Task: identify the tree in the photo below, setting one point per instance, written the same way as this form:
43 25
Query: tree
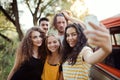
38 7
12 14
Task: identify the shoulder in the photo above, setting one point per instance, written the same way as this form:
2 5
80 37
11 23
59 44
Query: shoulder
86 49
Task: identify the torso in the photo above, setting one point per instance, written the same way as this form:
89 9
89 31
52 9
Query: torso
51 70
30 70
78 71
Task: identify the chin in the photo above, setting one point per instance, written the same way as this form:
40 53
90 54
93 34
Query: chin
72 45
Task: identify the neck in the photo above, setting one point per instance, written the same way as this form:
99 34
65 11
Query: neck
35 52
55 54
60 33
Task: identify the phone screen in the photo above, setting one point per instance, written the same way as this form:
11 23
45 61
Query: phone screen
93 19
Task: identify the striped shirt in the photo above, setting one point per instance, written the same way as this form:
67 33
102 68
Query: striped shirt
78 71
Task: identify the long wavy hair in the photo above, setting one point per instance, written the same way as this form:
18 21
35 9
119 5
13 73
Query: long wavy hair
70 53
46 42
25 49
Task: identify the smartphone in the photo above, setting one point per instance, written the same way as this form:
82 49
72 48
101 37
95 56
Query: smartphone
93 19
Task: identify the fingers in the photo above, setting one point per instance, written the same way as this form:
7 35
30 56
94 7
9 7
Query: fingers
99 27
99 37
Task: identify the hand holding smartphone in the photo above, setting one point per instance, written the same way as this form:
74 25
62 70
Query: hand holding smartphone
94 20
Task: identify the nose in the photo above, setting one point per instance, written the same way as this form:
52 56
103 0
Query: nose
45 27
61 24
39 39
70 37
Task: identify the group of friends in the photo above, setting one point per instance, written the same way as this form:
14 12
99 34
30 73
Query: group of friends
65 56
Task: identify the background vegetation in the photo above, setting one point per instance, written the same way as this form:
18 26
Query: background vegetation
11 29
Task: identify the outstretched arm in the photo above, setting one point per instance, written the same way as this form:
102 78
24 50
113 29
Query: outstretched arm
100 37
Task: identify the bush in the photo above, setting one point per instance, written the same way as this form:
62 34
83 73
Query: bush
6 58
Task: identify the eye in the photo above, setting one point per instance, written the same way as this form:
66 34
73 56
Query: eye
46 24
43 24
74 34
34 37
67 35
49 43
54 41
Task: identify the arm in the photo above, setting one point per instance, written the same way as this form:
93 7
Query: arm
61 76
101 38
11 73
69 17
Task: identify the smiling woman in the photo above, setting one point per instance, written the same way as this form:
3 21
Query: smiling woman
52 68
78 56
30 57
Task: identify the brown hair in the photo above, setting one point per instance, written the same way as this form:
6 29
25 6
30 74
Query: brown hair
25 49
55 19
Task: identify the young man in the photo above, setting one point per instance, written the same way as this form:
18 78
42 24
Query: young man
60 22
44 24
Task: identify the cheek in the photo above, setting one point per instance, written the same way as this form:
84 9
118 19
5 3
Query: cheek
76 39
58 45
48 46
67 39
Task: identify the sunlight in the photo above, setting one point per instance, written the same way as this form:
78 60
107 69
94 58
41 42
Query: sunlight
101 8
78 8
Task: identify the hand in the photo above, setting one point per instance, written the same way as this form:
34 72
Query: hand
100 37
67 14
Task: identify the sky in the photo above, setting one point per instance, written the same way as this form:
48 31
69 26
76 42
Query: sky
101 8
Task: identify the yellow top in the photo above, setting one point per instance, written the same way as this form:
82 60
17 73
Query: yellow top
50 72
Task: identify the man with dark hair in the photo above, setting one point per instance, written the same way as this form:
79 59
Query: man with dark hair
44 24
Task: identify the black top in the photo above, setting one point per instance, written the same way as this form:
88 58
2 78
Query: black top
30 70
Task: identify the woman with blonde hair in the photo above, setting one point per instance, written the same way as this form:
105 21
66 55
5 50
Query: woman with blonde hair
52 67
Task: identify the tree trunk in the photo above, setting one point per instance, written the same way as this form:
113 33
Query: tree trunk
15 11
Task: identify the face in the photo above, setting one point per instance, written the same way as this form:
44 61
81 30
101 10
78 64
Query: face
72 36
61 24
44 26
53 44
36 39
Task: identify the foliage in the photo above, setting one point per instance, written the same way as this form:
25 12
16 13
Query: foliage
10 10
10 26
6 57
5 25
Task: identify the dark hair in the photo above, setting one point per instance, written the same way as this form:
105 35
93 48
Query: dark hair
70 53
43 19
55 19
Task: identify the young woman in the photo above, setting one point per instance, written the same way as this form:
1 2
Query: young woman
77 56
30 57
52 67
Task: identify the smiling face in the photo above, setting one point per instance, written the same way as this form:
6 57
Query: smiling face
72 36
36 38
53 44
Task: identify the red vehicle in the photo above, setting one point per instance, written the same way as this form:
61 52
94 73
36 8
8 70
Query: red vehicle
109 69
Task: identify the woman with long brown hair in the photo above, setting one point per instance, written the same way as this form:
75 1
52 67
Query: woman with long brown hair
30 57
